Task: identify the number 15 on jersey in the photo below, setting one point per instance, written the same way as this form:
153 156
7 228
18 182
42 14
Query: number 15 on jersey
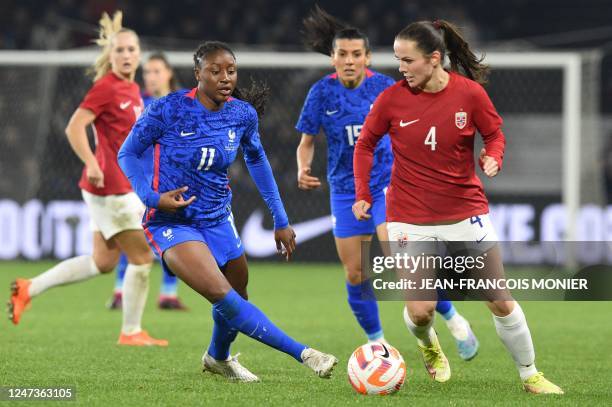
352 132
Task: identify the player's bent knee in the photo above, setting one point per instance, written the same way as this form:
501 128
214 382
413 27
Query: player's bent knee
501 308
105 266
421 314
353 275
215 294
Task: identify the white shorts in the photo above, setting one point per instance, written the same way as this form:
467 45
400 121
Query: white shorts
475 229
112 214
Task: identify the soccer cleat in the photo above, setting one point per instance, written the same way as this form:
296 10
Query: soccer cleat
20 299
170 303
141 338
231 369
538 384
321 363
115 302
468 348
435 361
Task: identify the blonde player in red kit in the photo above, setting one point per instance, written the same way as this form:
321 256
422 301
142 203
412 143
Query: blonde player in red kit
435 195
112 105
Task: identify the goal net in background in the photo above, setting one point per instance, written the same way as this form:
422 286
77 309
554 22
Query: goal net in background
550 187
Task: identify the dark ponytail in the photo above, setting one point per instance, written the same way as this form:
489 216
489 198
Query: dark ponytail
446 38
257 94
321 30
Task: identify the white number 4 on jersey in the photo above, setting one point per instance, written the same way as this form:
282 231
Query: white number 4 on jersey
430 139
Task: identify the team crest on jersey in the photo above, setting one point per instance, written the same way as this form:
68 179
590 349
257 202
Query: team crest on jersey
231 136
460 120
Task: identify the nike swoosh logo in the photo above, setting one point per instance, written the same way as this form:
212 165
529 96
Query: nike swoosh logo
124 105
330 112
259 242
404 124
386 354
480 240
183 134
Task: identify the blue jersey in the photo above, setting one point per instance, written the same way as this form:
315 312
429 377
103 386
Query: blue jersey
194 147
341 112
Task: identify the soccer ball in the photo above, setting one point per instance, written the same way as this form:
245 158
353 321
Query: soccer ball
376 368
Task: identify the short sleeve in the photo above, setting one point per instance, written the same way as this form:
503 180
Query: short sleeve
98 97
377 121
486 118
310 117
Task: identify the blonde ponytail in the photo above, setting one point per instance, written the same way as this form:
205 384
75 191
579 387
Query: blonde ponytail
109 27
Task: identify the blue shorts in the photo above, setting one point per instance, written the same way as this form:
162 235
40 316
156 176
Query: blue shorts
344 222
222 240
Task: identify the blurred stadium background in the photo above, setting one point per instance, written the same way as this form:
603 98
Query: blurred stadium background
536 49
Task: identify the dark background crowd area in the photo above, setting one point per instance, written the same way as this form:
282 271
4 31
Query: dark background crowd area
273 24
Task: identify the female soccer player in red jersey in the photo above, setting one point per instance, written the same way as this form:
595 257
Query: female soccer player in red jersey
159 80
338 103
435 194
112 105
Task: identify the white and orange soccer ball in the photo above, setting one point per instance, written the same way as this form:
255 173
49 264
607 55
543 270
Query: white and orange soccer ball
376 368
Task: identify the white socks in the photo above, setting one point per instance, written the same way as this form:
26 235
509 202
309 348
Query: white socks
135 290
514 333
68 271
458 326
425 334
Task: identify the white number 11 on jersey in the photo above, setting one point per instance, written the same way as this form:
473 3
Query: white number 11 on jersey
206 153
430 139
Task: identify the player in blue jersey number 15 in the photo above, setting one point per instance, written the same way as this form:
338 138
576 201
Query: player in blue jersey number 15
339 104
195 136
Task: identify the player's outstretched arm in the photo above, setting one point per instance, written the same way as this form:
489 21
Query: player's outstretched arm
305 155
77 137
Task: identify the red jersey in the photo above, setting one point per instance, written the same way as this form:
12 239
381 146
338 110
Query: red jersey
116 104
432 136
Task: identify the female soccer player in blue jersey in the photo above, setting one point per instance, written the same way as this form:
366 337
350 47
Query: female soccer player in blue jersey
159 80
195 136
339 103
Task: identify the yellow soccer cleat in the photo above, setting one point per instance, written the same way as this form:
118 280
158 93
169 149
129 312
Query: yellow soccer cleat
435 361
538 384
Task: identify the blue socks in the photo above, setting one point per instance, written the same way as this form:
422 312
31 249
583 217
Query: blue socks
222 337
446 309
245 317
121 267
169 282
362 300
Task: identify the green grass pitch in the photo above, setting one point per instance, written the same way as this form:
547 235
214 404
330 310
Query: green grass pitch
68 338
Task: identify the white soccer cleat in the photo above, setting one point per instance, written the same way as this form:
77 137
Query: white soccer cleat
231 369
321 363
